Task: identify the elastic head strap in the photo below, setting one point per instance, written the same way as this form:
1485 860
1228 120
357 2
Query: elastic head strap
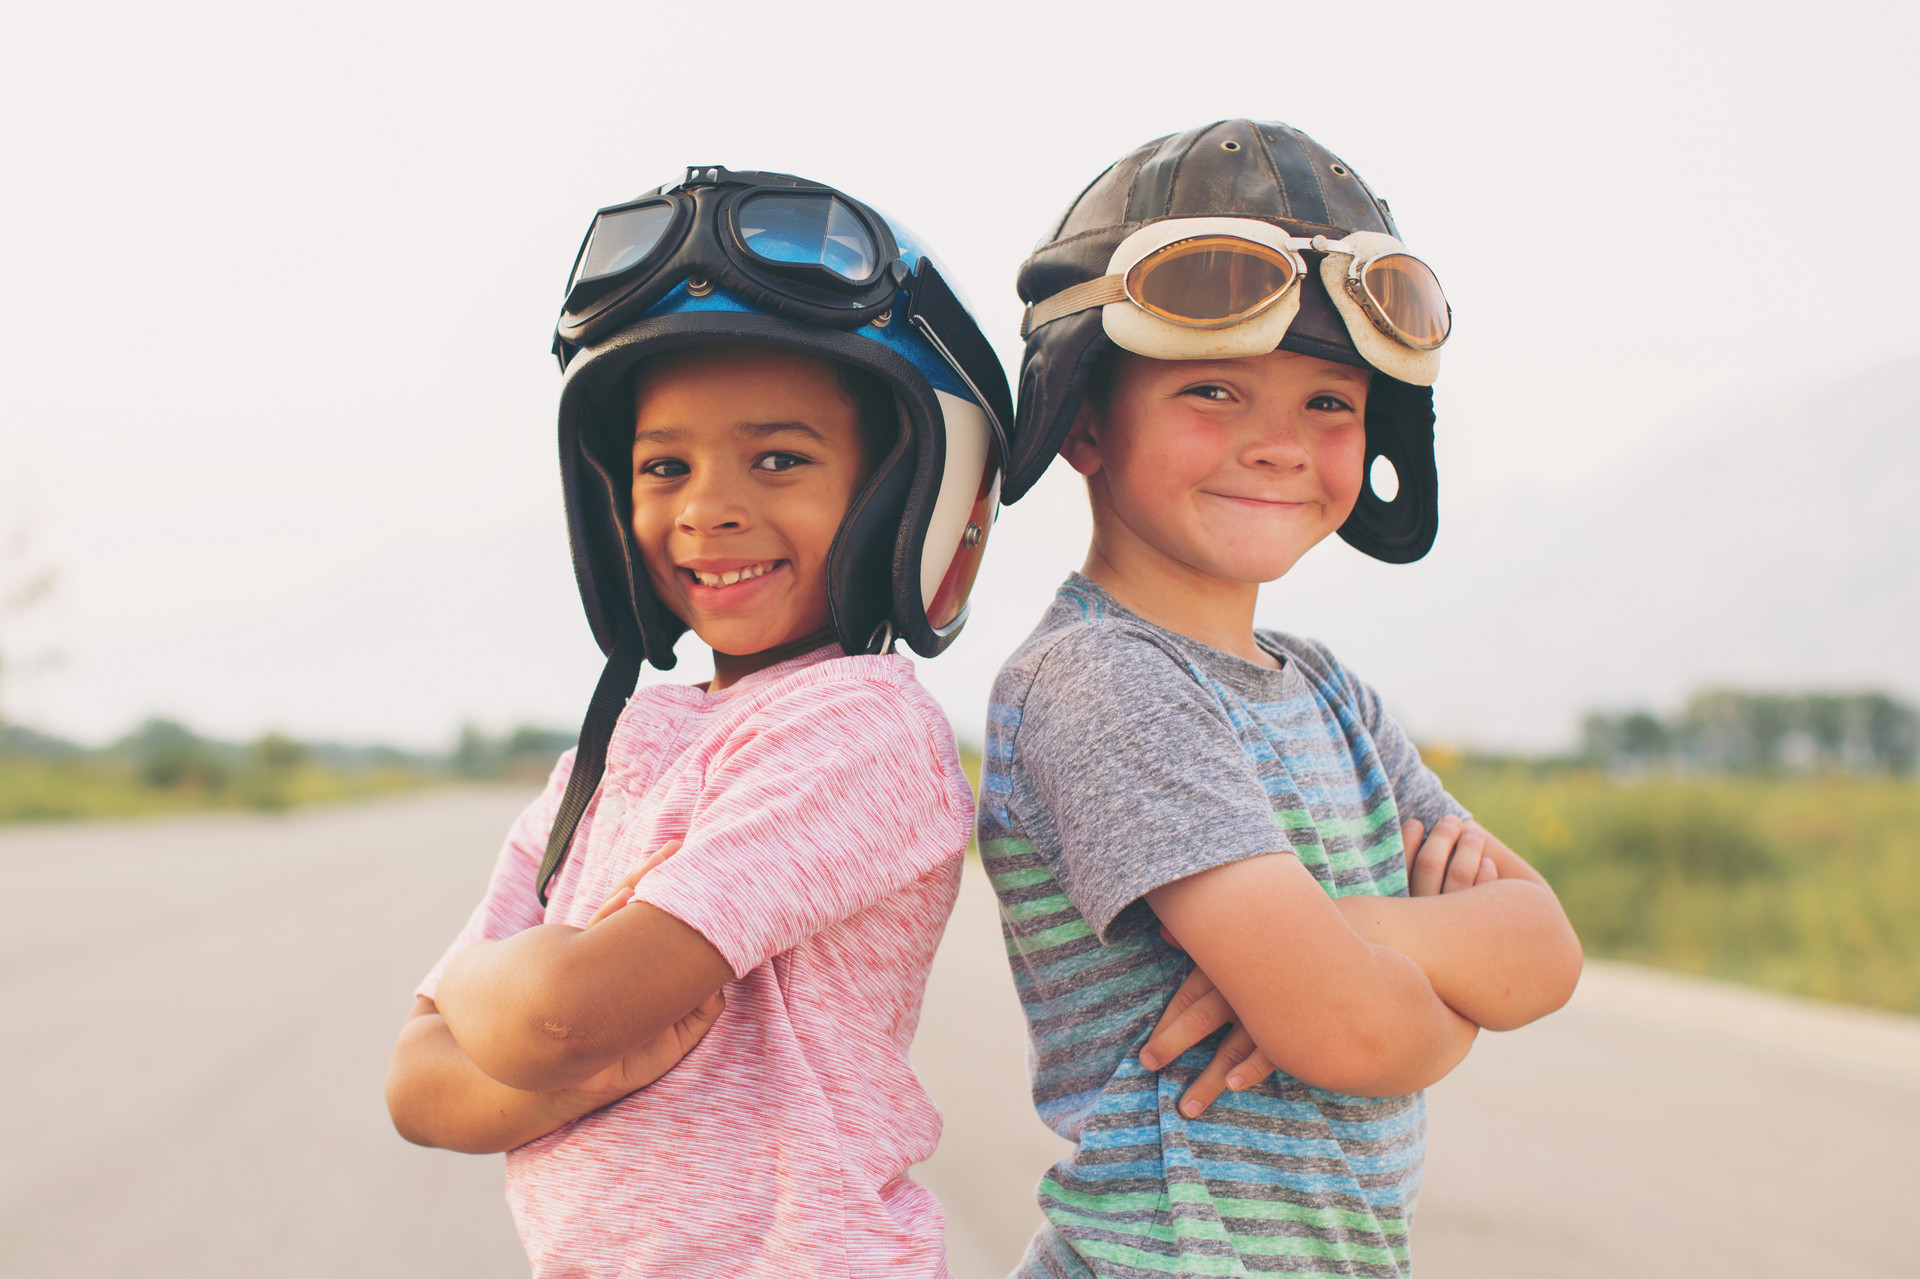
1078 297
617 681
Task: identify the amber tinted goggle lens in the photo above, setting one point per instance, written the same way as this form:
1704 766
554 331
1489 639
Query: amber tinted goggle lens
1210 281
1407 296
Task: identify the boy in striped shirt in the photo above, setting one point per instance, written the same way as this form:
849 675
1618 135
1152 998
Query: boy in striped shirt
685 1003
1247 924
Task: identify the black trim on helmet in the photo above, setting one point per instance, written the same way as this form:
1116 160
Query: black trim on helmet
937 311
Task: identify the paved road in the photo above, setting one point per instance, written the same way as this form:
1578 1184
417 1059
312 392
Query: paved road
195 1016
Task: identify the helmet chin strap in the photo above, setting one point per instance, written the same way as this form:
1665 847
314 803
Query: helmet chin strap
881 641
617 681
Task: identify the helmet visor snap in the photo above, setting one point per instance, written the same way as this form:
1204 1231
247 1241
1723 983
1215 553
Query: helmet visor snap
620 239
808 229
1211 281
1404 297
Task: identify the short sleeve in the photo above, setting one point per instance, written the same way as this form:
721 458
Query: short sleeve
825 802
1417 790
1140 770
511 904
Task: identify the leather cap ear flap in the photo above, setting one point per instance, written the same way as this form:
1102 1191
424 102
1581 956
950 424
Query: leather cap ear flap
1400 429
1053 376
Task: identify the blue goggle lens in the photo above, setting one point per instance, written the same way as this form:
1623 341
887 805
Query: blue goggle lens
808 230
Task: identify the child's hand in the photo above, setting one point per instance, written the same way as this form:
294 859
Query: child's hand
1196 1011
1452 858
623 892
661 1053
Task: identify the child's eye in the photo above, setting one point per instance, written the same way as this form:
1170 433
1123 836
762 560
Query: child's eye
665 468
1210 391
779 462
1329 404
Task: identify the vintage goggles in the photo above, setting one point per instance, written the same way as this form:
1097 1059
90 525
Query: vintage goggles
1220 288
795 247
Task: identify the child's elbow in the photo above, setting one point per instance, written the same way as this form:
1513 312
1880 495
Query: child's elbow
1564 972
1556 971
554 1048
562 1035
1362 1058
407 1123
410 1107
1552 976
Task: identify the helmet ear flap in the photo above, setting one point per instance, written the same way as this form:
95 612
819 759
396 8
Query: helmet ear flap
1399 428
600 527
860 562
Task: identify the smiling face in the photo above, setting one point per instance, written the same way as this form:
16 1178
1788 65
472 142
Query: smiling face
1209 477
745 460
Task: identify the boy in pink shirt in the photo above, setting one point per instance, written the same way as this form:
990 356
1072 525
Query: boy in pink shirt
685 1003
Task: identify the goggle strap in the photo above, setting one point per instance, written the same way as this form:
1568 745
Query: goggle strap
1079 297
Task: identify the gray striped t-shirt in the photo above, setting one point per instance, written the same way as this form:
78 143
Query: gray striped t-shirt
1120 757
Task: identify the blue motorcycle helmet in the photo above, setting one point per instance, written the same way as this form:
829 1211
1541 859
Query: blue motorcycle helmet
773 260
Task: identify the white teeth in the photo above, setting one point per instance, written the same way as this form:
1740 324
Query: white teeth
732 575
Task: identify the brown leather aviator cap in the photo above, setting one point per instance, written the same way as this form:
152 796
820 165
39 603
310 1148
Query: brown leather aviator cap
1229 169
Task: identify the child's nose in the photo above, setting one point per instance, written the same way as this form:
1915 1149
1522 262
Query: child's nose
713 505
1274 441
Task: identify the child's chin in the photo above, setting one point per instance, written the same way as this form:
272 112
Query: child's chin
747 641
1255 569
1278 562
732 642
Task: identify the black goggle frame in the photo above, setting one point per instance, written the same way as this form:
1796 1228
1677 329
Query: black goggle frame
703 247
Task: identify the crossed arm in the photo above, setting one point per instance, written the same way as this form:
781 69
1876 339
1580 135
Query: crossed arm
1367 995
532 1032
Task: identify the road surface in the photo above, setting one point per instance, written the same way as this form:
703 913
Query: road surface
197 1016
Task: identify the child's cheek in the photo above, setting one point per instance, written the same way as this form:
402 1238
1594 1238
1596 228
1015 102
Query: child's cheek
1186 454
1343 465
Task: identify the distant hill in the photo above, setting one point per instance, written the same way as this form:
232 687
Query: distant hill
17 739
1784 553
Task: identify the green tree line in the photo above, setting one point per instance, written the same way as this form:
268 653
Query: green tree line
164 766
1728 731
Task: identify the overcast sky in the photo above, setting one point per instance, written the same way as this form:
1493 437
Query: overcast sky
278 285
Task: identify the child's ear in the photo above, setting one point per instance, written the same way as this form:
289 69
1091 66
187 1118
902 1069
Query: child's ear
1081 448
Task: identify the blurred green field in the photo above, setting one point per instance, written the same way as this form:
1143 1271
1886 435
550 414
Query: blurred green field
1809 885
72 789
163 766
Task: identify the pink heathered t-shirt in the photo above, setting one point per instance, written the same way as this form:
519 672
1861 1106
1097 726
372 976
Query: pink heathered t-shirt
824 814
